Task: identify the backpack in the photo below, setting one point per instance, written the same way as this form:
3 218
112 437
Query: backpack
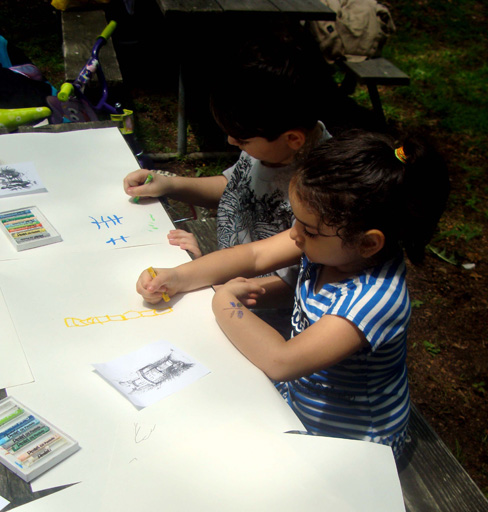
360 31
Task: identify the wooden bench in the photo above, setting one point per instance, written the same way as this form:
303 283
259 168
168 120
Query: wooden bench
372 72
80 31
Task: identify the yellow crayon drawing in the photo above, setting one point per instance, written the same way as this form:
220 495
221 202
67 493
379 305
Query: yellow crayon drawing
128 315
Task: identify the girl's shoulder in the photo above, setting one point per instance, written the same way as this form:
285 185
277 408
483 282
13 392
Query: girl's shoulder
375 284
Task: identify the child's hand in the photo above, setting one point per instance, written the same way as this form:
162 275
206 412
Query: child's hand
134 184
185 241
247 291
152 289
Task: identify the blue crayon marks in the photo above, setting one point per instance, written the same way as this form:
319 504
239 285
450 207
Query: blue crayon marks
109 222
115 240
114 225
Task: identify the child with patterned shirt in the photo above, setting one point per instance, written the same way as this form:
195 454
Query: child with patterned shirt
267 102
359 202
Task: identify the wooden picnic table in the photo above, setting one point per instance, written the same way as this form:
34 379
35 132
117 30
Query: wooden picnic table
300 9
234 11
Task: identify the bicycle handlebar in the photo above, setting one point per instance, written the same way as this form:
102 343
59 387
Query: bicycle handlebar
109 30
69 89
66 91
12 118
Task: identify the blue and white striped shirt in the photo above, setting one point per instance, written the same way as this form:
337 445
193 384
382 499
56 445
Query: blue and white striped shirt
366 395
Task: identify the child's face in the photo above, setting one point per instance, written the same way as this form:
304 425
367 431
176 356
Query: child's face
319 242
275 152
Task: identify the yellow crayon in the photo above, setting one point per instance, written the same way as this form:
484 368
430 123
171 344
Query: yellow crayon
153 274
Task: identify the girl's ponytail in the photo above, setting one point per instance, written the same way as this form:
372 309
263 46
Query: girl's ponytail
426 188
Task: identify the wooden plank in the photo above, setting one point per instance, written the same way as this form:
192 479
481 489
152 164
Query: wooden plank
306 9
183 6
299 9
68 127
432 479
205 232
248 7
379 71
80 31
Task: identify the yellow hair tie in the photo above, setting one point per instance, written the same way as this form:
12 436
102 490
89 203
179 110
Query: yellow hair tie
400 154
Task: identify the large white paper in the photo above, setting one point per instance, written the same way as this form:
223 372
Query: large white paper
233 467
151 373
217 444
84 308
14 368
83 172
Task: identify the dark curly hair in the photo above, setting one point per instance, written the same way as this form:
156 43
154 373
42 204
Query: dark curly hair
275 83
355 182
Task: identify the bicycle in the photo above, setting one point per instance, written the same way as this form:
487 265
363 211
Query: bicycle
77 107
72 104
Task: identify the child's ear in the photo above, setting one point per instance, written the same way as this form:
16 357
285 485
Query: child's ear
295 139
372 243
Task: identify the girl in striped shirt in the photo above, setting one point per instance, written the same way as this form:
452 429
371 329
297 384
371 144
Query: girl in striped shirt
360 201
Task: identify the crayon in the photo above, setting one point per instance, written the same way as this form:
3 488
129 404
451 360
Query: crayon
25 227
21 437
10 417
12 220
46 450
18 223
153 274
28 232
20 241
148 180
17 429
29 453
14 213
29 439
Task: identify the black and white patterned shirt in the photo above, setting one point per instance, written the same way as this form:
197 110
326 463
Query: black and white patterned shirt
255 204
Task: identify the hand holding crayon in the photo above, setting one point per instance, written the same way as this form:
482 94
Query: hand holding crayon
153 274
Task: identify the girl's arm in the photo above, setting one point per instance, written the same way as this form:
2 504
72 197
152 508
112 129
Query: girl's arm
278 293
323 344
247 260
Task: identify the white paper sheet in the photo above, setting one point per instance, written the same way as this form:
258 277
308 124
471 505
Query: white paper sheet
14 368
3 503
214 444
236 468
61 351
83 172
151 373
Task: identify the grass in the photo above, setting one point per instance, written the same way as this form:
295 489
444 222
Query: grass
444 52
